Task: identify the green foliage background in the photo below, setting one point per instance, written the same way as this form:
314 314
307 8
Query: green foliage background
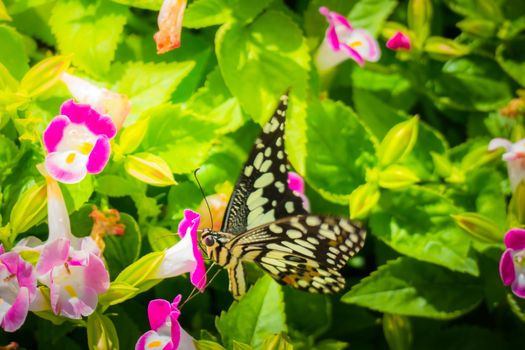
421 279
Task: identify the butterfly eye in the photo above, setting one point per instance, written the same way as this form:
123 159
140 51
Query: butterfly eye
209 241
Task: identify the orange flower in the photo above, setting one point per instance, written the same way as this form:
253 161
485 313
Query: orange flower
105 223
218 203
170 25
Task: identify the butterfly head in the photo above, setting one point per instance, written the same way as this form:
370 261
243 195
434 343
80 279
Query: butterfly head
214 242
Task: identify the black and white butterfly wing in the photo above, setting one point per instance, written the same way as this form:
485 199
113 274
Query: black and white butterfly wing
303 251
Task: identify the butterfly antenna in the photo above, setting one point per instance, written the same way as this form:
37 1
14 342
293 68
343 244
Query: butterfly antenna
203 196
193 293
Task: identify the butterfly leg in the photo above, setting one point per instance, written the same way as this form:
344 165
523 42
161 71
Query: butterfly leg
237 280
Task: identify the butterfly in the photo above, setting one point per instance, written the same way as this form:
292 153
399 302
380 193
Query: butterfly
265 223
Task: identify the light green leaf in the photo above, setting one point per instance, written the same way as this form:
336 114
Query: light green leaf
90 31
153 5
205 13
335 166
116 186
371 14
160 238
77 194
117 293
101 333
511 57
258 314
208 345
121 251
417 222
258 66
185 195
470 83
157 82
408 287
12 54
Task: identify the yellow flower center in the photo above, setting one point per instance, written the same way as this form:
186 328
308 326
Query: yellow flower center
70 158
154 344
71 291
85 148
356 44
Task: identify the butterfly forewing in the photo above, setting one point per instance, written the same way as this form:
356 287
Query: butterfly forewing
304 251
261 194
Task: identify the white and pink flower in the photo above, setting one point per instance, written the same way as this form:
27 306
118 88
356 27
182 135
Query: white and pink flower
166 332
512 263
104 101
170 25
185 255
514 156
17 289
77 142
343 42
399 41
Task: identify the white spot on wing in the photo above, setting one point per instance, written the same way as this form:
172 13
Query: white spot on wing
263 180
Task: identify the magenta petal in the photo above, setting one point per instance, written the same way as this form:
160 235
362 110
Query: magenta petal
399 41
141 343
341 19
176 301
54 132
102 125
53 254
188 222
515 239
158 313
518 289
333 39
16 315
506 268
295 182
84 114
175 329
191 222
354 55
99 156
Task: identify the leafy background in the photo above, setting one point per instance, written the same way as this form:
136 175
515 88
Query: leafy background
421 278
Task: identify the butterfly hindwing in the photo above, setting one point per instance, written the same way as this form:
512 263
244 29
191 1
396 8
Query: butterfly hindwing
261 194
303 251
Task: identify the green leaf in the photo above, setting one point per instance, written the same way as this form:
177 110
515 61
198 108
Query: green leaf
160 238
121 251
90 31
470 83
420 19
117 293
408 287
511 58
101 333
258 66
258 314
77 194
157 82
371 14
185 195
153 5
116 186
12 55
177 137
205 13
208 345
417 222
299 308
241 346
335 166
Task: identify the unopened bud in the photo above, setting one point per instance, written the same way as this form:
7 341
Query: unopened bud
479 227
397 176
150 169
398 331
363 199
30 209
444 49
44 75
398 142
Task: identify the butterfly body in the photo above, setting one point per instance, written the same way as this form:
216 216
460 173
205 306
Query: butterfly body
265 223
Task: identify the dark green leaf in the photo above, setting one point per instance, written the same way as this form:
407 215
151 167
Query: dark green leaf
121 251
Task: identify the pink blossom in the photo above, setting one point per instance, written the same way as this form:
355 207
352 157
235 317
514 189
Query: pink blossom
17 290
170 25
399 41
77 142
342 42
166 332
515 158
512 263
296 184
185 255
104 101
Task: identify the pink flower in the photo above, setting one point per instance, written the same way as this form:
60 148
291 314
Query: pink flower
17 290
296 184
399 41
70 267
512 263
342 42
166 332
77 142
104 101
515 158
170 25
185 256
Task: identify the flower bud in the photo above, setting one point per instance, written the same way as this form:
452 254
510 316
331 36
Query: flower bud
44 75
141 270
277 342
398 331
363 199
479 227
442 164
398 142
481 27
132 136
150 169
419 19
517 206
445 49
29 209
101 332
117 293
397 176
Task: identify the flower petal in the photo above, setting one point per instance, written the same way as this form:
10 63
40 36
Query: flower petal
54 132
399 41
186 341
158 313
84 114
175 329
96 275
151 340
170 25
515 239
54 254
66 167
295 182
189 224
499 142
506 268
16 315
354 55
99 156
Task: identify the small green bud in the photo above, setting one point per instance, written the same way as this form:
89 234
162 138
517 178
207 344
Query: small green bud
419 19
517 206
398 331
479 227
101 332
444 49
150 169
398 142
132 136
44 75
29 209
362 200
277 342
397 176
480 27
